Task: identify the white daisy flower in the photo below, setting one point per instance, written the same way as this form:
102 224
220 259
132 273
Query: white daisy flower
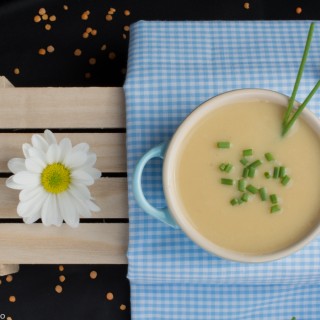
54 179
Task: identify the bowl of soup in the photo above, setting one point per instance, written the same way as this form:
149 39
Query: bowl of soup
234 184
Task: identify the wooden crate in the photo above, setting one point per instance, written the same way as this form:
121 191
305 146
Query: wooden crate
93 115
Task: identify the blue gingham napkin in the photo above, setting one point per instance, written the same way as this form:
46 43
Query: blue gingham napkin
173 67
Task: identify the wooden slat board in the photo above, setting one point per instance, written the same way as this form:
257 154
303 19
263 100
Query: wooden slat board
97 116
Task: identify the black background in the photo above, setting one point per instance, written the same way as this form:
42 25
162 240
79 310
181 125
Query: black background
20 40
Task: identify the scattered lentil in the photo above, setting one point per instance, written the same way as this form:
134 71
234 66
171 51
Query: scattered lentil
47 26
61 268
108 17
298 10
103 47
45 17
246 5
109 296
93 274
112 55
42 11
62 278
37 19
58 288
85 35
126 12
9 278
50 49
65 7
94 32
77 52
92 61
123 307
126 28
53 18
12 299
42 52
87 75
16 71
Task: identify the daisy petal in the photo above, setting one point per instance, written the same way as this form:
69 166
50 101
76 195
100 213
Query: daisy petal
65 147
16 164
25 149
84 147
80 176
94 173
53 154
36 153
29 193
79 191
82 209
50 214
39 142
26 178
49 136
35 165
32 218
13 185
31 206
68 209
91 159
75 159
92 206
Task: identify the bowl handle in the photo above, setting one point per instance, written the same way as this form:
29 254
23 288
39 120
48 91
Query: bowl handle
162 214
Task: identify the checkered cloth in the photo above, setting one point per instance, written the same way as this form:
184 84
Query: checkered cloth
173 67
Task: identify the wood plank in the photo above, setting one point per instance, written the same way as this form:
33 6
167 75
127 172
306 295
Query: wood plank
110 194
6 269
5 83
88 244
62 107
109 147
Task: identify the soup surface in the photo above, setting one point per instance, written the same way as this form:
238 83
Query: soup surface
250 227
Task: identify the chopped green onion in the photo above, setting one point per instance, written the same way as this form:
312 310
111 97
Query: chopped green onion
273 198
228 182
223 144
255 164
252 189
242 185
267 175
282 172
247 152
222 166
251 173
244 161
234 201
269 156
285 180
275 208
228 167
276 172
245 173
240 201
245 197
263 194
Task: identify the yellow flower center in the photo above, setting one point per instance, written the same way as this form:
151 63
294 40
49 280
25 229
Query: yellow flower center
55 178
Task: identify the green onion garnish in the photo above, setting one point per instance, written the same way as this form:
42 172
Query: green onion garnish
247 152
228 182
251 172
282 172
276 172
223 144
269 156
252 189
285 180
234 201
242 185
275 208
273 198
287 124
245 173
244 161
267 175
222 166
228 167
263 194
255 164
245 197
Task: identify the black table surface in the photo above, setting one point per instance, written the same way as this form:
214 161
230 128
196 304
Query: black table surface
60 51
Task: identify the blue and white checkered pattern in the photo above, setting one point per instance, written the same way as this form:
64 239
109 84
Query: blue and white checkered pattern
173 67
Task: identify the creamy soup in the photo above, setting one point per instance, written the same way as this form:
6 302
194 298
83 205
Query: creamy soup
250 227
